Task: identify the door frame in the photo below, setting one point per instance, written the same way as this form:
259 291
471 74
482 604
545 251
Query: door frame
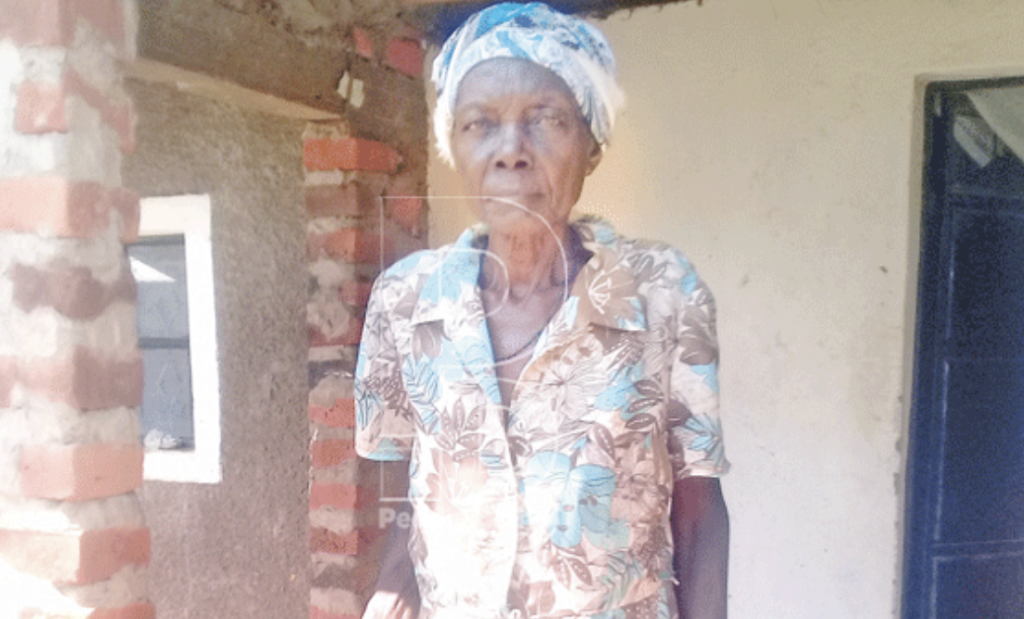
923 447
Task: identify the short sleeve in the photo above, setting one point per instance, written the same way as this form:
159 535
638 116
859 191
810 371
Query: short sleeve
385 430
695 442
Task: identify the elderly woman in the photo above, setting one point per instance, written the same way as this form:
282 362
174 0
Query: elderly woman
552 385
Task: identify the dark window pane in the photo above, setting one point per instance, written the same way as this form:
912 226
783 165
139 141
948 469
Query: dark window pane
159 266
167 399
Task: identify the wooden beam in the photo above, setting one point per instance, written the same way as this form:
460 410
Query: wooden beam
221 90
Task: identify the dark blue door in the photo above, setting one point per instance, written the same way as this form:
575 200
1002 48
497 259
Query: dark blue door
964 553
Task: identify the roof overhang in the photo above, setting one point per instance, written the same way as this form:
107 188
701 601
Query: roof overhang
439 18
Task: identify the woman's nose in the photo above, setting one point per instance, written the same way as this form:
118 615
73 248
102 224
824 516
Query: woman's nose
513 148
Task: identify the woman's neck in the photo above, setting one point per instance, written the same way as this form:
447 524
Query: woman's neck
528 260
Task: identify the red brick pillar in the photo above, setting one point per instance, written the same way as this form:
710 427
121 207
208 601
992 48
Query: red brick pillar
364 211
73 542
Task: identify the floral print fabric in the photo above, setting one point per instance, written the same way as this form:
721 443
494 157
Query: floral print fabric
559 505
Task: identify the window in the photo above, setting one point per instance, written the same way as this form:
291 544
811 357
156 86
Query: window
158 263
180 415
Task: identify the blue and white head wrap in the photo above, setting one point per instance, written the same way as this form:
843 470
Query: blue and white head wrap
566 45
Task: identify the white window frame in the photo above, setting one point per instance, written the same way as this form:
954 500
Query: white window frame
190 215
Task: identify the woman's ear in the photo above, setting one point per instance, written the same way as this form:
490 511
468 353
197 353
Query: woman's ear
594 157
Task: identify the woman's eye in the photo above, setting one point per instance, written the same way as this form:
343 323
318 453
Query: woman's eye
477 124
550 121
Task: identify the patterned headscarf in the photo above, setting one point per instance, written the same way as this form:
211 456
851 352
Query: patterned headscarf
568 46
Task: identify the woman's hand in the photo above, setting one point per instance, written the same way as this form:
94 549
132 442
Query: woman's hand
389 605
700 529
397 595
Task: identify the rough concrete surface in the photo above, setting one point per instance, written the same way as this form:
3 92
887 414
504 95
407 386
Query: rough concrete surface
238 548
234 40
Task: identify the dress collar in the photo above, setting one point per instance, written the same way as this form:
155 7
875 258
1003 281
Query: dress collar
605 291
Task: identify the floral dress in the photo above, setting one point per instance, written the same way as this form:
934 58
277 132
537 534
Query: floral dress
557 506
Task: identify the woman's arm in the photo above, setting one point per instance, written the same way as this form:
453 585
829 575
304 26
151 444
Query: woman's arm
396 595
700 532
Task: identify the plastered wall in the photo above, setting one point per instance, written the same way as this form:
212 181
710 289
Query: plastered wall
778 144
238 548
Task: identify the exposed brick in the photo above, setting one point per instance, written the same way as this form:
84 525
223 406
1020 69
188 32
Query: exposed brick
331 200
44 22
407 31
8 369
40 109
348 473
333 576
350 154
87 208
329 322
339 496
119 116
80 472
406 55
106 15
54 205
139 610
85 381
331 244
363 42
52 22
358 541
353 245
407 183
404 201
317 613
106 551
342 414
356 292
351 337
359 577
75 557
126 202
316 244
325 540
72 291
331 452
354 333
320 370
392 102
348 200
407 212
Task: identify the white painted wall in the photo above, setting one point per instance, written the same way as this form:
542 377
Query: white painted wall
778 143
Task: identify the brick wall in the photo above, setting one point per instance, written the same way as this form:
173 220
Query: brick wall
73 542
364 179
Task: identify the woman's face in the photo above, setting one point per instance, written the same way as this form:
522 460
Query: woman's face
518 136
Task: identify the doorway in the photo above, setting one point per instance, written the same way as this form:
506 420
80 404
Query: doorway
964 551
